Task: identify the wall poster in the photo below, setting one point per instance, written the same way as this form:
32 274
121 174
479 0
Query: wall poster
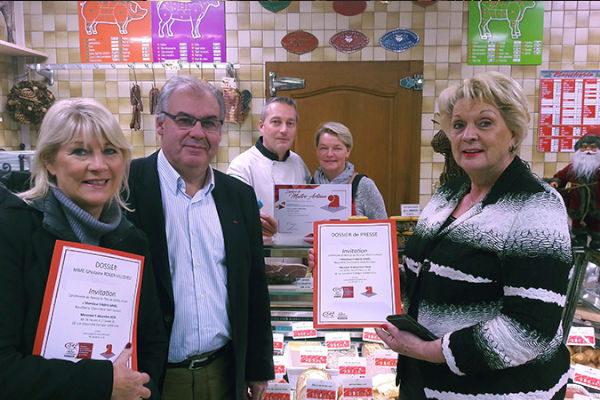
505 32
191 31
114 31
156 31
569 107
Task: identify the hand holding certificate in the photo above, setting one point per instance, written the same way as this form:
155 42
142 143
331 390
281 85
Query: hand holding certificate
356 277
90 305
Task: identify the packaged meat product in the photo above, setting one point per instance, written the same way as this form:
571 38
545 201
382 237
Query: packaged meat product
309 373
284 273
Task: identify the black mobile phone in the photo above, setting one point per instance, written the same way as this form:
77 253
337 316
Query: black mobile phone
405 322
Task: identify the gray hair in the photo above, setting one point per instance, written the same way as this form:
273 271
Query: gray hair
336 129
279 99
187 82
493 88
65 120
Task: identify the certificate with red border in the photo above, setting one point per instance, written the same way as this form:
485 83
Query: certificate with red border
356 276
90 304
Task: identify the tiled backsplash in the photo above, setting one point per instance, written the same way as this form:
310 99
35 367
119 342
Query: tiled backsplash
254 37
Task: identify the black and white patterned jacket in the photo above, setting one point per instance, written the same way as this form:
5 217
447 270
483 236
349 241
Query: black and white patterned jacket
492 284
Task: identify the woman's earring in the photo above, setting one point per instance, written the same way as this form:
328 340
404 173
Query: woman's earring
512 148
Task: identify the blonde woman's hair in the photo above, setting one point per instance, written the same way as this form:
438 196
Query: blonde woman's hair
336 129
65 120
493 88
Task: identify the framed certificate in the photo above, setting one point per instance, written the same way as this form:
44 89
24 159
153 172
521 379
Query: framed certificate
356 276
90 304
297 207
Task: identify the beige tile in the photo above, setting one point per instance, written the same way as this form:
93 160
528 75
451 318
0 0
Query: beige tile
583 19
305 21
256 21
62 56
593 37
570 19
268 22
581 36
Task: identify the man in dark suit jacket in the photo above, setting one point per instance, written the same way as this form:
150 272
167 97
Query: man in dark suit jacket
206 246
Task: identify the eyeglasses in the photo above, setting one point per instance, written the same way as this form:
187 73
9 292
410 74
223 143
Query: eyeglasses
187 121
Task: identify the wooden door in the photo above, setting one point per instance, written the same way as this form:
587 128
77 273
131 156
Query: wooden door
384 118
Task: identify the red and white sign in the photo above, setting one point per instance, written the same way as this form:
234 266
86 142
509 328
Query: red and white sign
278 391
277 343
386 358
279 363
315 356
357 388
369 335
317 389
353 366
582 336
569 107
337 340
586 376
303 330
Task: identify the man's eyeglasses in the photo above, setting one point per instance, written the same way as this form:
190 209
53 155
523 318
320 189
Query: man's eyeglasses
187 121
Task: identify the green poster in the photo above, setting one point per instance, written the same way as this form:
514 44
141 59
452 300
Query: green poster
505 32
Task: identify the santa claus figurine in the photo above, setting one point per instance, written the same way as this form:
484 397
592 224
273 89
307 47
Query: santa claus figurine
578 182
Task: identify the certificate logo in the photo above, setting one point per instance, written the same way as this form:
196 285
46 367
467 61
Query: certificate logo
342 315
328 314
369 292
334 204
348 292
79 350
108 353
344 292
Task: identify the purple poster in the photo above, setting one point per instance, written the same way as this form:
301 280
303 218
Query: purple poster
191 31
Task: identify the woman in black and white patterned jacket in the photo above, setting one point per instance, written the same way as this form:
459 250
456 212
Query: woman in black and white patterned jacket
488 264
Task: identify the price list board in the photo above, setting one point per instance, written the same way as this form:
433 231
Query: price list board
152 31
192 31
114 31
505 32
569 107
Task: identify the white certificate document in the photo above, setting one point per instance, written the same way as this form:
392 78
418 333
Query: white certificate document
297 207
90 304
356 276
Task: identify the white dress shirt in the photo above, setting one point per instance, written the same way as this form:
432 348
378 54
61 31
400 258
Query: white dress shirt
197 260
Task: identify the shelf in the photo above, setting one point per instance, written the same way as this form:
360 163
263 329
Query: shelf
12 49
286 251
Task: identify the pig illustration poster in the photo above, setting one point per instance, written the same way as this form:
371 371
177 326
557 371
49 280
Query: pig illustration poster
190 31
115 31
142 31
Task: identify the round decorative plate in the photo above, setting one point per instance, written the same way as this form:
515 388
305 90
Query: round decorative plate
348 41
349 8
274 6
299 42
399 40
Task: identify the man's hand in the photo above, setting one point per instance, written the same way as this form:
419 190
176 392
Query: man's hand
554 184
257 390
269 225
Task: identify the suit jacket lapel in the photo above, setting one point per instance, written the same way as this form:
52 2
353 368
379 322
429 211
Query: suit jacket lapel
152 216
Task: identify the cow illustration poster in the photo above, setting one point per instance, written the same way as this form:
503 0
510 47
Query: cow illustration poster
115 31
192 31
505 32
156 31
